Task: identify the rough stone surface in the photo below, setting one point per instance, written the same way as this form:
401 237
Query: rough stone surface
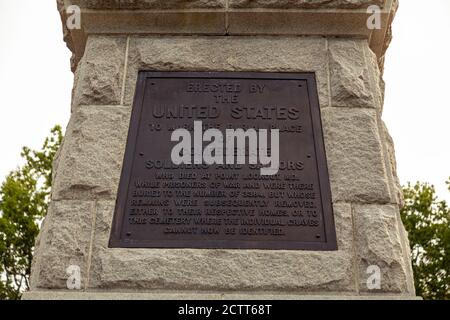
198 295
380 242
392 163
63 241
100 73
269 54
150 4
304 4
355 155
243 270
349 74
91 157
406 256
342 20
74 60
375 76
388 35
344 226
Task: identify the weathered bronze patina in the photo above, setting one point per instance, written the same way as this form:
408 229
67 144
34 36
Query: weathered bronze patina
164 205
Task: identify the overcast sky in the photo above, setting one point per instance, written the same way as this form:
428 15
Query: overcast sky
36 82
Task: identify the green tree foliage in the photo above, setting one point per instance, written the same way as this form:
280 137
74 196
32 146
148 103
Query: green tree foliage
427 221
24 198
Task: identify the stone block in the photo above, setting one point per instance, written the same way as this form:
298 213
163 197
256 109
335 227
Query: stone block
64 241
355 155
379 243
100 74
90 160
392 166
350 79
375 77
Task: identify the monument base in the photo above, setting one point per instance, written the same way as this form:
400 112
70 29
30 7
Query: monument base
195 295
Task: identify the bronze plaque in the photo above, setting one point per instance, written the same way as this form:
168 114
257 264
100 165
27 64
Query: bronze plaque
225 202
